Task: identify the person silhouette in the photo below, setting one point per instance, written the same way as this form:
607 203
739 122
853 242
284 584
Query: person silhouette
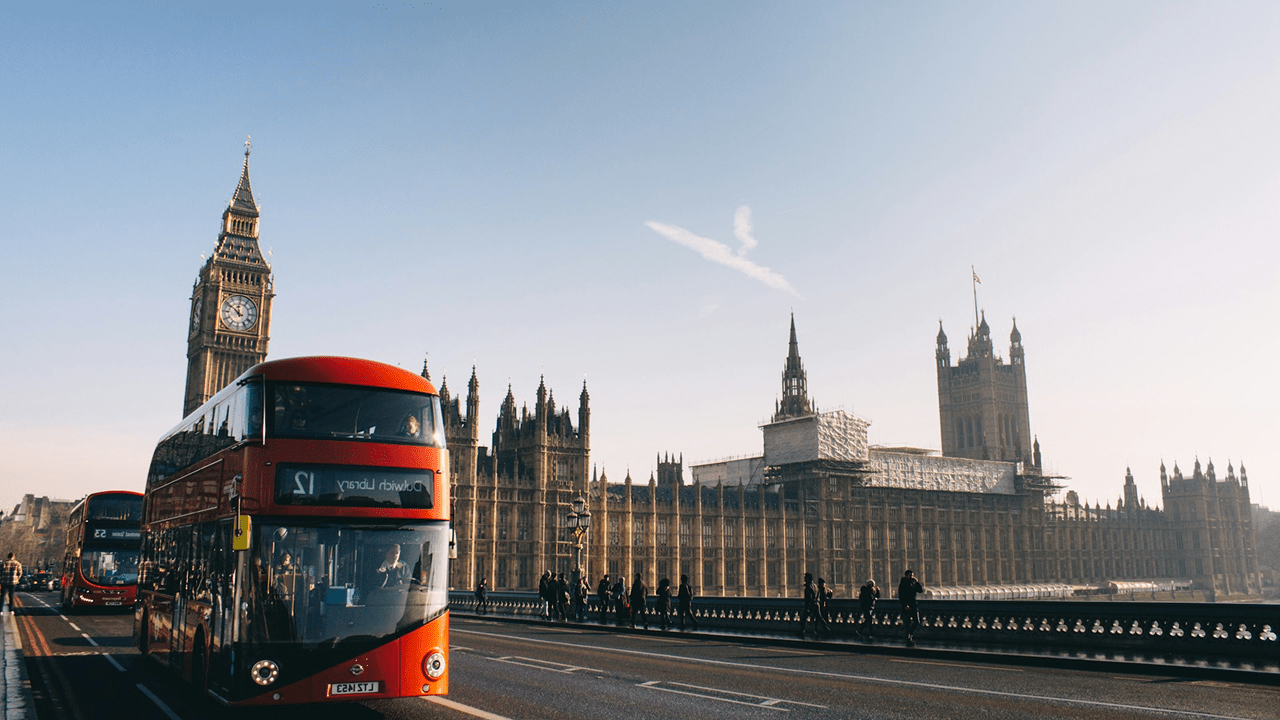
391 573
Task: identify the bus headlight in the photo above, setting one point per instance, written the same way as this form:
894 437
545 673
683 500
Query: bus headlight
265 672
433 665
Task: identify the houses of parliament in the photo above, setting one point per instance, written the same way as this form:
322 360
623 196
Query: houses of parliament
820 499
817 497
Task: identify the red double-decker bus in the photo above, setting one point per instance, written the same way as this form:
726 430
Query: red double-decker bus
296 538
100 567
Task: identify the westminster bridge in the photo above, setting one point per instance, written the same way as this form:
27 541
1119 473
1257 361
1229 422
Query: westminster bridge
1226 640
1006 659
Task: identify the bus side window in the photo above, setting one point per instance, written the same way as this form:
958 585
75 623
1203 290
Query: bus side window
253 409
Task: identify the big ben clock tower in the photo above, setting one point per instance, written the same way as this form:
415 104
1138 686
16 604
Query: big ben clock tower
230 303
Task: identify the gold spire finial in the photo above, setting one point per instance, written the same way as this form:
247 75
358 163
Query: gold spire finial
247 144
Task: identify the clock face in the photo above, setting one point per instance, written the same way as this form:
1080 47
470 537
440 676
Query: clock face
195 315
239 312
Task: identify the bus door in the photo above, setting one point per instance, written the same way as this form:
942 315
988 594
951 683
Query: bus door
186 573
162 584
224 566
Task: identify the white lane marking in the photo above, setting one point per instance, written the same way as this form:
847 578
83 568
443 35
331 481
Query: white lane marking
458 647
159 703
801 653
91 642
473 711
74 626
865 678
667 640
113 662
542 664
759 700
966 666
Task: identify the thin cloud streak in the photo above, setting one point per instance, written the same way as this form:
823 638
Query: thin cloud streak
742 229
718 252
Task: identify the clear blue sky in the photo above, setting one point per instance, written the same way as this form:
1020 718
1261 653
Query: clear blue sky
509 185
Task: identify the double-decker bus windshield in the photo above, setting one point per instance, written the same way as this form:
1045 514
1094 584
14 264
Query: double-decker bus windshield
110 568
325 583
312 410
115 507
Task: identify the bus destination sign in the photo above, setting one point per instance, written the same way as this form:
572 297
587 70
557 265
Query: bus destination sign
345 486
95 532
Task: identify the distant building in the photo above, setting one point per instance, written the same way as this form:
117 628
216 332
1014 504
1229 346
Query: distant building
821 499
35 531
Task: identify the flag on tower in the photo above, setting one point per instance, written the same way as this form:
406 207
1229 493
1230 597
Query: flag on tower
975 276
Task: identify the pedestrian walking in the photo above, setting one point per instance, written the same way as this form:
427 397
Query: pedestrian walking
909 588
602 596
685 596
812 608
482 598
663 607
868 595
620 603
561 589
825 594
10 576
639 601
581 592
545 594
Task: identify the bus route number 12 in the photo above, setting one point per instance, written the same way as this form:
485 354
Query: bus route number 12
304 483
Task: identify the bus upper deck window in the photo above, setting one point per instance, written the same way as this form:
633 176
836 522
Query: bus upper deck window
254 409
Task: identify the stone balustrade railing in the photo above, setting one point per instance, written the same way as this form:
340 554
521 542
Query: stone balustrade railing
1211 633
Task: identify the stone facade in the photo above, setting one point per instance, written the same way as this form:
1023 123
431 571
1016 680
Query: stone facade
35 532
230 302
820 499
510 498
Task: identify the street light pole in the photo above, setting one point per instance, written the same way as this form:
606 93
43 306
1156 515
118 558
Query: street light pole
579 522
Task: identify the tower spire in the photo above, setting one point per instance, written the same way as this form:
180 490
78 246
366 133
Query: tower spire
242 200
795 385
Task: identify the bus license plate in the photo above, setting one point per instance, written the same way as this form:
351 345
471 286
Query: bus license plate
113 602
353 688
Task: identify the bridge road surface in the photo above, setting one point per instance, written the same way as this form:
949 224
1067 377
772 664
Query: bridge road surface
84 667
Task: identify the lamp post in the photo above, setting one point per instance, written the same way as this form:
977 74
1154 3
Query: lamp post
579 522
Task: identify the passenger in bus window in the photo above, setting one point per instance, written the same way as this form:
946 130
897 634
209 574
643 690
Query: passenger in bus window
290 411
411 427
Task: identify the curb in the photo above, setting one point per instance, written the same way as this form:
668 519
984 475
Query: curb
1127 667
18 704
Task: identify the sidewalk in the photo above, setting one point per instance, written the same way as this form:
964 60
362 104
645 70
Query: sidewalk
14 685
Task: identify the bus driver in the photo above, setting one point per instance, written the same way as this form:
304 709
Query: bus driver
391 573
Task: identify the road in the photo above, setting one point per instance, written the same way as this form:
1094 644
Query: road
84 667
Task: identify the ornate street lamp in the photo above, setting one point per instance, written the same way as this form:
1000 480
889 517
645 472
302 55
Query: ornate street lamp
579 522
